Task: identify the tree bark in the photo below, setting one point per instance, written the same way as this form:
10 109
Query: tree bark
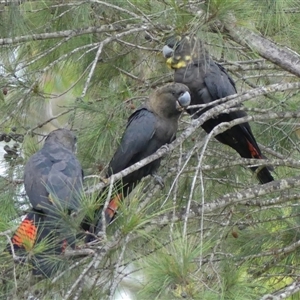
283 57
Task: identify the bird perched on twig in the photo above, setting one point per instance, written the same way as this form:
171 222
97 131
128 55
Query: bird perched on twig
209 81
53 183
149 128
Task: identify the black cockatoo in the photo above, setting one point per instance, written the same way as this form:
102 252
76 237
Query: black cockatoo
149 128
53 183
209 81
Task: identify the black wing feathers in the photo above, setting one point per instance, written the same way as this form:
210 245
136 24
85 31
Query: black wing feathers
223 70
53 182
56 171
209 81
135 141
218 83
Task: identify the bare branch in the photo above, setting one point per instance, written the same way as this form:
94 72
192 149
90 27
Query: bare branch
283 57
69 33
287 291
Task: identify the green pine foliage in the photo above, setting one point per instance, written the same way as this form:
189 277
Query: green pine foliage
87 65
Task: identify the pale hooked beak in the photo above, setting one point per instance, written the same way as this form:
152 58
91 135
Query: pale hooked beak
183 101
167 51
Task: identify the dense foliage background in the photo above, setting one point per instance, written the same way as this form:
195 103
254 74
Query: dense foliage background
212 232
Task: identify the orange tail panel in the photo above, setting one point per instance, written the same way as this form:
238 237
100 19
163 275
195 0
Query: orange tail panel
253 151
25 235
113 206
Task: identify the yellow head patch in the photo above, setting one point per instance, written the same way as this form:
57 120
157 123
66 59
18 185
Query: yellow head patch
178 62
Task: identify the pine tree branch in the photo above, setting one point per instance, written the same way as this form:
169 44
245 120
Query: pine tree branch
285 292
40 125
283 57
71 33
275 252
117 8
10 2
233 100
254 67
248 162
79 252
99 51
80 278
73 266
116 280
197 209
166 219
251 193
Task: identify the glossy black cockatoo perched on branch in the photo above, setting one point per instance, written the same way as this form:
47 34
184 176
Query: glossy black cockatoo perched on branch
209 81
149 128
53 183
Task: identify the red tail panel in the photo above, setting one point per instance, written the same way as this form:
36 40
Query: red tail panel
253 151
113 206
25 235
64 246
